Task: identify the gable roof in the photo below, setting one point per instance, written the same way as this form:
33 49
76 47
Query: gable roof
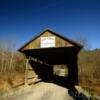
55 33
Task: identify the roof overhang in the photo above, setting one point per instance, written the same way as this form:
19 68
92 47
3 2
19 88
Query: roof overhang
53 56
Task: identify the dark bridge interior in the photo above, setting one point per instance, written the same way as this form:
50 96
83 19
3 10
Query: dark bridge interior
46 58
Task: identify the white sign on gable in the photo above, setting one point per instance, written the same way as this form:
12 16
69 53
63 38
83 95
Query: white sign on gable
47 41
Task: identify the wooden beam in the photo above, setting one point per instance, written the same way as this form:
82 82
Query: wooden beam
39 61
26 71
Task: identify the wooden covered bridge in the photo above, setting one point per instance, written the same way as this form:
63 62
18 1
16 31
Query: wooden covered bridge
53 58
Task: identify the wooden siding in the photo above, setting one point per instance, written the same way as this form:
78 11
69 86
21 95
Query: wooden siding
59 42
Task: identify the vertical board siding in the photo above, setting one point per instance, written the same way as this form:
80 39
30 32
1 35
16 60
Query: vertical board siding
35 44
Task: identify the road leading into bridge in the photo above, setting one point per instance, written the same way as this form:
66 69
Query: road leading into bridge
43 91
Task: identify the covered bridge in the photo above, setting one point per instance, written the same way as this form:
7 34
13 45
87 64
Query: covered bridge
53 57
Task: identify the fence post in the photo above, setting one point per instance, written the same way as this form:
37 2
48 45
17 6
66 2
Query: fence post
26 72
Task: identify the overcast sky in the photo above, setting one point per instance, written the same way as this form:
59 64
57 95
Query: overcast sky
20 20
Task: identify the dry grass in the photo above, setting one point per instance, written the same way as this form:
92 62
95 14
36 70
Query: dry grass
7 82
94 87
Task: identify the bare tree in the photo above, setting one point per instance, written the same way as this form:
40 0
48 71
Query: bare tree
7 55
80 38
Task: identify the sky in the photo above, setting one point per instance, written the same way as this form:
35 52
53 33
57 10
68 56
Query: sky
21 20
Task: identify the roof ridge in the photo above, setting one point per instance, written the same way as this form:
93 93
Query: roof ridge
56 33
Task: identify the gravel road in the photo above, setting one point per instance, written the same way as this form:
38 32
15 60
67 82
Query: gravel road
43 91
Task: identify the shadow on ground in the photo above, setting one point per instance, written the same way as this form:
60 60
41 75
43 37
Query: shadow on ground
76 95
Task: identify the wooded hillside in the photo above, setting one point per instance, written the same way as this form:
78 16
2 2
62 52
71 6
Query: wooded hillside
89 69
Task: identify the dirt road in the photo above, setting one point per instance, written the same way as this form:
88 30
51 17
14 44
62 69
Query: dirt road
43 91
